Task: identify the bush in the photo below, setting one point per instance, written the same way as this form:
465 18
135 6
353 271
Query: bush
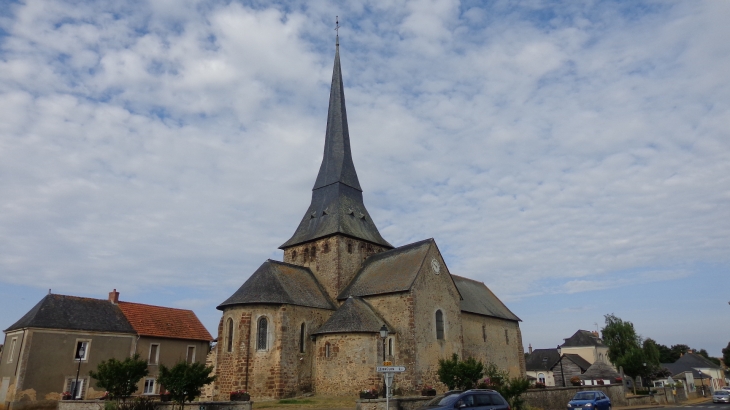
120 378
184 380
510 388
575 381
460 374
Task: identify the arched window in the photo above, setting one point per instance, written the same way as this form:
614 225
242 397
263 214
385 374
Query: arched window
262 333
541 378
313 252
327 349
229 335
326 247
439 325
349 247
506 336
301 339
294 255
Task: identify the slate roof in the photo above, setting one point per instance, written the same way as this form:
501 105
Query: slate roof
337 205
477 298
354 316
578 360
582 338
389 272
542 359
159 321
277 282
600 370
74 313
695 361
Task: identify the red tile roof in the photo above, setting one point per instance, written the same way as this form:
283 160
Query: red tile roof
158 321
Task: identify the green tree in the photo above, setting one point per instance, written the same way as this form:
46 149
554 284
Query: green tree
679 350
703 353
726 355
184 380
120 378
666 355
460 374
620 337
510 388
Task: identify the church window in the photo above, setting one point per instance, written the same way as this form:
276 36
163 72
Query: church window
306 254
484 333
301 338
294 255
349 247
229 335
313 252
327 349
326 247
506 336
262 334
439 325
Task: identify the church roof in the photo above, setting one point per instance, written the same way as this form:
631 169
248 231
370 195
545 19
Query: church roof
477 298
74 313
281 283
600 370
337 205
354 316
583 338
390 271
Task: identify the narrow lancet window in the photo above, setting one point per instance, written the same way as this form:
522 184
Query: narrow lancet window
262 333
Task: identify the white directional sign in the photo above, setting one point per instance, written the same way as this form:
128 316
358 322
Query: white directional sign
390 369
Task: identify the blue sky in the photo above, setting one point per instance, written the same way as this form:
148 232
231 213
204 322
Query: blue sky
575 157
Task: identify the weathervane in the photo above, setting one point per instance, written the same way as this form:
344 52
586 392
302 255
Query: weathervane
337 25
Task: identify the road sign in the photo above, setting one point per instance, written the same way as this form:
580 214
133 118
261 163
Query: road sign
390 369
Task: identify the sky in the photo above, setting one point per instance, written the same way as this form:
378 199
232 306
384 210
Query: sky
573 156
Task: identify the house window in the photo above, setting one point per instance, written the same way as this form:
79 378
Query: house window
262 332
190 358
327 349
82 350
229 335
12 349
302 333
149 386
77 391
439 325
541 378
506 336
154 357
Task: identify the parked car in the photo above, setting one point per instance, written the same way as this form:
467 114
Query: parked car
590 400
721 396
477 399
726 388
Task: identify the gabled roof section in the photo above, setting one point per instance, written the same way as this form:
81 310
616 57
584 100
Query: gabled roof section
337 205
600 370
354 316
578 360
281 283
542 359
695 361
74 313
478 299
390 271
159 321
583 338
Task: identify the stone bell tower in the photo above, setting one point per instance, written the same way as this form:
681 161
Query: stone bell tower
336 234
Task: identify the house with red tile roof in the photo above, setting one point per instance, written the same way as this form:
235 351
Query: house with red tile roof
64 335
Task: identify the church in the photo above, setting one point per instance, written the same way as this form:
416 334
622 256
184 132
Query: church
312 323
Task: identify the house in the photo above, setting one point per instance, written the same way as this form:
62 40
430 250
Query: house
587 345
312 321
696 372
570 365
63 337
539 364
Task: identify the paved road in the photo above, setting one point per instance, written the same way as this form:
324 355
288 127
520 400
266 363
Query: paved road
701 406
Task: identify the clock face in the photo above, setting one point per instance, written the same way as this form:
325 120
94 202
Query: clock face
435 266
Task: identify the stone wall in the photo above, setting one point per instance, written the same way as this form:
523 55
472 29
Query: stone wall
350 366
485 340
394 403
201 405
557 398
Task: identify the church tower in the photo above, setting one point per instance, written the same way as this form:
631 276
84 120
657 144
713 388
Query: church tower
336 234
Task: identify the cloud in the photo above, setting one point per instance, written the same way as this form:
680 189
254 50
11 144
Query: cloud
549 149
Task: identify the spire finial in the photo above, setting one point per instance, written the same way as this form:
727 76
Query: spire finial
337 29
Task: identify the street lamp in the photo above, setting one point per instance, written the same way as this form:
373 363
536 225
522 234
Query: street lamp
384 335
79 356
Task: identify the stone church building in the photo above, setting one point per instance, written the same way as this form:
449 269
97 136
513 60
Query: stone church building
312 322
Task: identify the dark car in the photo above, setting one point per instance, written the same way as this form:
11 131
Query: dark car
590 400
478 399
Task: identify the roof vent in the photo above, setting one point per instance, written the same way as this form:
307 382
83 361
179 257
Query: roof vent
313 215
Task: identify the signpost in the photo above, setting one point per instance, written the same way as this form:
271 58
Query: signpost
389 372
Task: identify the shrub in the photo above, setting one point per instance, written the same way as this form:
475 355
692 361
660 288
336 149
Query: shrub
184 380
575 381
120 378
460 374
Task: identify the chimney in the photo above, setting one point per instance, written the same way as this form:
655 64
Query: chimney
114 297
529 348
595 333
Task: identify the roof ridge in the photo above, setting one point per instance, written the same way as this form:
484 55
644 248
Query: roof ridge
157 306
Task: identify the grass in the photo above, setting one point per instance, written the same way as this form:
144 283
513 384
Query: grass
309 403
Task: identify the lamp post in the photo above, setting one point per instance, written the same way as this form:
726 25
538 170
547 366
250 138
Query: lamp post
79 356
562 373
384 335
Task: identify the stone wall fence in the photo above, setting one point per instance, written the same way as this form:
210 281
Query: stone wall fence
159 405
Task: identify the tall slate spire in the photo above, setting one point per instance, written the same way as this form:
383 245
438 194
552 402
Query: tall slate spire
337 206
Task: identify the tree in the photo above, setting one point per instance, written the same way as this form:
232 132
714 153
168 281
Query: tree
703 353
679 350
666 355
460 374
726 355
184 380
510 388
620 337
120 378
